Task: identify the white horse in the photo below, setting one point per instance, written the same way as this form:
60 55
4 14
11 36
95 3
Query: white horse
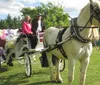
76 43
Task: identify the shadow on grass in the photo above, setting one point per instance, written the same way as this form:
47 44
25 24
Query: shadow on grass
44 83
40 83
20 79
16 79
3 69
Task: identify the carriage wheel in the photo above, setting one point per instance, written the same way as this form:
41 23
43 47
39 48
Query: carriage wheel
61 65
28 67
21 60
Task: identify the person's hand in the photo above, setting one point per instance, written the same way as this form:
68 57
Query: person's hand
43 30
31 32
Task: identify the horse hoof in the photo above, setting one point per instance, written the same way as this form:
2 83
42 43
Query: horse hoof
53 81
57 81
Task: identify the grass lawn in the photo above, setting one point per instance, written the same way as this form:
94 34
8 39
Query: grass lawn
40 76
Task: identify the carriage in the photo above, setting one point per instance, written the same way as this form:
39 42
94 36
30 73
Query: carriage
20 49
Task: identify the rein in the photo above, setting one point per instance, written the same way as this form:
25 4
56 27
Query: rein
54 46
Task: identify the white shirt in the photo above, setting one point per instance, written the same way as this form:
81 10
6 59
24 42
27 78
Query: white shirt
39 26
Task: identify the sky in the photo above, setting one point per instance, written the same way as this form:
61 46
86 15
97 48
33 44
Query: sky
13 7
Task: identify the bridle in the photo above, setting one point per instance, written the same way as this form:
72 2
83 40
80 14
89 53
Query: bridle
95 13
75 29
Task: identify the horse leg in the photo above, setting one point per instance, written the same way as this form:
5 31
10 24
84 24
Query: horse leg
71 68
54 70
49 58
58 77
83 70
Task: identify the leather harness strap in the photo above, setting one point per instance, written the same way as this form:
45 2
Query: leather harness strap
59 39
75 32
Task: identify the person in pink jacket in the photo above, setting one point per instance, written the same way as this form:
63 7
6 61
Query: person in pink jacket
26 29
26 25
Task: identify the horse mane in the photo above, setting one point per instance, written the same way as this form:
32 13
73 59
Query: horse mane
94 33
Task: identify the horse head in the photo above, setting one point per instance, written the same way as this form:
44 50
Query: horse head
89 18
90 14
95 12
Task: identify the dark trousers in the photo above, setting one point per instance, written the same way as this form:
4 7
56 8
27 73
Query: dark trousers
33 39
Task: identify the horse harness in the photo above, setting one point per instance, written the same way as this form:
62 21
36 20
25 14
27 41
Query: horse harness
75 33
59 39
75 30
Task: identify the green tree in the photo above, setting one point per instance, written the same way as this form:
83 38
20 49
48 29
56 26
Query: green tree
3 24
9 21
16 22
53 15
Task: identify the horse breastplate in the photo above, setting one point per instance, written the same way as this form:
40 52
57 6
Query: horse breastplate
75 31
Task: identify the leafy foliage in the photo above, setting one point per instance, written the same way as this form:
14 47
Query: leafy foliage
52 15
10 22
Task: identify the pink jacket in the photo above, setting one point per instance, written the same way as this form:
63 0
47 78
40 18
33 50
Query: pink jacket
26 28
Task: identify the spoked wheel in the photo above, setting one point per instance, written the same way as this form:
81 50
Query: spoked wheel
61 65
21 60
27 63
